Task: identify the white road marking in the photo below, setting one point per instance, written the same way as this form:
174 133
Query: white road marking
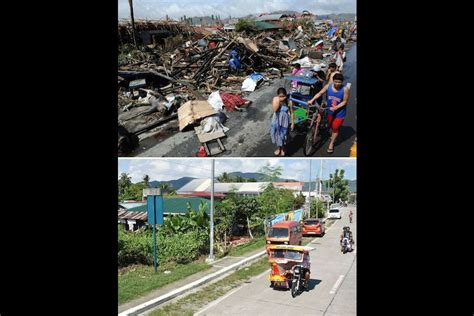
336 285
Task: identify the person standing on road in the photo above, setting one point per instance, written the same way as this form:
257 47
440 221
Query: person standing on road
350 216
332 70
337 98
280 121
295 72
320 76
340 57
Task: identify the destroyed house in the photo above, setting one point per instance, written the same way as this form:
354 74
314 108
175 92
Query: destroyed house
151 32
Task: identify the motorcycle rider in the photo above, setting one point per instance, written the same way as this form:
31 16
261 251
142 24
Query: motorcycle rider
346 233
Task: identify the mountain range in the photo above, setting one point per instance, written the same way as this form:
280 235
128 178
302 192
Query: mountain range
178 183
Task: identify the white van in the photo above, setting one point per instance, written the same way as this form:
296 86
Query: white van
334 213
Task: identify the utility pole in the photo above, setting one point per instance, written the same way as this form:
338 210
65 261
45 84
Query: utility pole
211 253
320 184
130 2
309 189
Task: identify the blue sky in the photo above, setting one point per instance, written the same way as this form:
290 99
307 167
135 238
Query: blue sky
157 9
169 169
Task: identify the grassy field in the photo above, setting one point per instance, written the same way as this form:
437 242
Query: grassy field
139 280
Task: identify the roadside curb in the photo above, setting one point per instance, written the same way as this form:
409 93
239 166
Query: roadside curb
179 291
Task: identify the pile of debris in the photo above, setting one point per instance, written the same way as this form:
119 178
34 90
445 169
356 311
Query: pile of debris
199 77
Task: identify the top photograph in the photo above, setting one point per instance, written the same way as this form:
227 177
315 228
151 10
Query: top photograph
237 79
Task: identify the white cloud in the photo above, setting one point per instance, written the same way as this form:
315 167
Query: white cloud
170 169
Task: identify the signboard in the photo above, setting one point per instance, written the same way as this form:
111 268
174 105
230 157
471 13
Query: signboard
154 207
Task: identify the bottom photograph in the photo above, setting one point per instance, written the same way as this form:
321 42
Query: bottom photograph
237 236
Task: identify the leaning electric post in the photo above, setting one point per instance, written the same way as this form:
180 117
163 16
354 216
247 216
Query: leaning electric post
130 2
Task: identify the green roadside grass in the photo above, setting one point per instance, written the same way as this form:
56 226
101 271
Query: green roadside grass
140 280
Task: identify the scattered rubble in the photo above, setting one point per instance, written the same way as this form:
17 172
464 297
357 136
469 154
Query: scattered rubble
179 73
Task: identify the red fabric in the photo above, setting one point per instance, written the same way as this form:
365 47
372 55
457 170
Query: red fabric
212 44
335 123
231 100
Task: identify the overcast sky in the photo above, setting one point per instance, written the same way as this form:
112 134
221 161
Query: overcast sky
171 169
157 9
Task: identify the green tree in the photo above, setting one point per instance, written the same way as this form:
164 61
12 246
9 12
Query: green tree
124 183
167 188
319 207
146 181
299 200
240 179
339 187
247 209
225 178
271 173
225 211
244 25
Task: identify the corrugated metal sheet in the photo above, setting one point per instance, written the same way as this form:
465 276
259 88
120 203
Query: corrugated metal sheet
269 17
193 185
132 215
253 186
175 205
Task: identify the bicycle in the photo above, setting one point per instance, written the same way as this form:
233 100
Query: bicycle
317 132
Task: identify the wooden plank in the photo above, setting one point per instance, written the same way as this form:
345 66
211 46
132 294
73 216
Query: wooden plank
207 137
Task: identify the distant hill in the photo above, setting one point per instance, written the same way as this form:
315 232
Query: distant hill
177 184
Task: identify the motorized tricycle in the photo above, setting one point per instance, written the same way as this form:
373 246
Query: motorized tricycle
290 267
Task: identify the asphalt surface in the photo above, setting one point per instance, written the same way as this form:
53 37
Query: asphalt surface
249 134
332 288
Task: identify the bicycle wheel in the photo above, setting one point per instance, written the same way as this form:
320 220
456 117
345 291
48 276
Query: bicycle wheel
308 143
318 138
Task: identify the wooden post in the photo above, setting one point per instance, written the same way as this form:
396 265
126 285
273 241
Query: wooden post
130 2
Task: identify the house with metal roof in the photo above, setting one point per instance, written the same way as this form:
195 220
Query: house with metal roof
199 187
137 217
271 17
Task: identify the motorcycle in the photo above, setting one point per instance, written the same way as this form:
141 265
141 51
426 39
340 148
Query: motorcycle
298 282
346 245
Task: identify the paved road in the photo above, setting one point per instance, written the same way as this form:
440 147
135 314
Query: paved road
332 286
249 134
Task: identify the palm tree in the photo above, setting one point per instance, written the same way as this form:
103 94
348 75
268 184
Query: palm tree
146 181
224 177
124 183
167 188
